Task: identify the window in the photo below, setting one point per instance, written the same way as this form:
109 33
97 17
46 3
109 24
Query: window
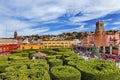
31 47
23 48
39 47
101 24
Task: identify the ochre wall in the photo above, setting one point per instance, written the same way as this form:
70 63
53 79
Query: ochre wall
47 44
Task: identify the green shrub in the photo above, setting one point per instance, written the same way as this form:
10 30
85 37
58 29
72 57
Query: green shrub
58 56
2 69
65 73
72 58
25 55
59 53
3 58
50 57
96 70
25 69
39 74
39 64
30 53
55 62
12 57
48 51
16 51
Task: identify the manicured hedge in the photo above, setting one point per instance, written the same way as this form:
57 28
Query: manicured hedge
25 69
39 74
40 63
16 51
48 51
73 58
55 62
18 67
97 70
3 58
58 56
65 73
50 57
12 57
32 74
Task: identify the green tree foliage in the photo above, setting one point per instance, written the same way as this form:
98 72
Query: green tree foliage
95 51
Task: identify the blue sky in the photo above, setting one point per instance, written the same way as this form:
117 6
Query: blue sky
42 17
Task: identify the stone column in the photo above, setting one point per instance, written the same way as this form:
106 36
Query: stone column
103 49
119 50
85 49
110 49
81 49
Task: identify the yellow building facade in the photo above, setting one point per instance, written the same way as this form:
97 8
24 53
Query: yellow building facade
56 44
30 46
47 44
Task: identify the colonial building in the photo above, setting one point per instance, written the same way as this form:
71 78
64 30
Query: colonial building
7 45
46 44
101 37
8 41
30 46
104 38
113 38
8 48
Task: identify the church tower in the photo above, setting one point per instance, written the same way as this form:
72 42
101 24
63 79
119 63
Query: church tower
99 36
99 26
15 35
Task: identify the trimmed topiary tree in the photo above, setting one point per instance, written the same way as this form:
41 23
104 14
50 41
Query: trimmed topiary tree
65 73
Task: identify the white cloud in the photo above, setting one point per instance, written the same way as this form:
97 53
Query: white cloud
29 31
116 23
115 28
50 10
8 26
78 29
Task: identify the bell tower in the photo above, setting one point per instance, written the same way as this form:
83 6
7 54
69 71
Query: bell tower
100 36
99 26
15 35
